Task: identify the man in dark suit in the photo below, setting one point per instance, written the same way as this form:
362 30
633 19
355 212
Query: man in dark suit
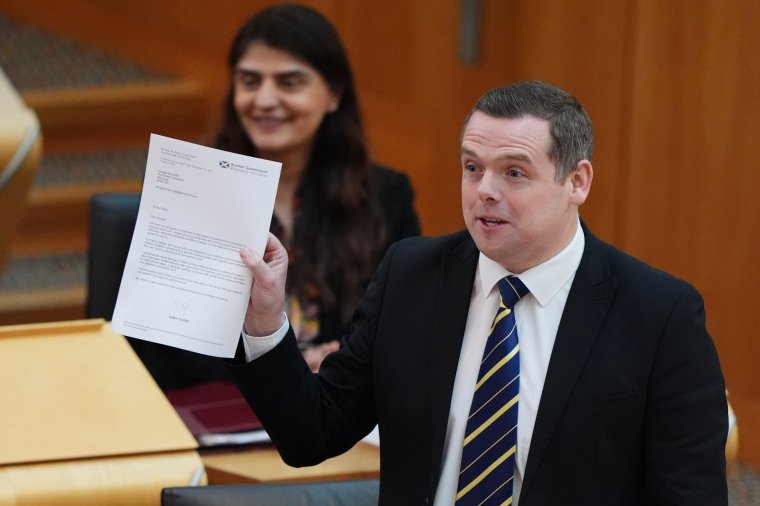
621 396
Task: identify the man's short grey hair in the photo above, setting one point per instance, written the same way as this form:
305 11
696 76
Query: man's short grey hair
569 125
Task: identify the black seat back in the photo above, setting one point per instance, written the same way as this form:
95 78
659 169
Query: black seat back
325 493
112 222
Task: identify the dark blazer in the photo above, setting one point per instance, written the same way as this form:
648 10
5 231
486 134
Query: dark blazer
633 410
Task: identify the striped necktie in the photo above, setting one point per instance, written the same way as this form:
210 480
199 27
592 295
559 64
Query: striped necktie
490 442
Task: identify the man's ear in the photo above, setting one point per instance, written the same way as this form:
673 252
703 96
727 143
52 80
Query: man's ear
580 180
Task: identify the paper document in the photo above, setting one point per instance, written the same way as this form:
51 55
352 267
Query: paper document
184 284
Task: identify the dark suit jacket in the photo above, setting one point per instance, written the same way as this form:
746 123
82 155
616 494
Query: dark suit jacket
633 409
112 222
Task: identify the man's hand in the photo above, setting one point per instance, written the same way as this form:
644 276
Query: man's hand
265 307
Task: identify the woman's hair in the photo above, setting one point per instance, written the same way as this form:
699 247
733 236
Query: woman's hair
338 231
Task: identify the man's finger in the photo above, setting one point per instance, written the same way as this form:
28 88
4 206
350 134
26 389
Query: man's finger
249 257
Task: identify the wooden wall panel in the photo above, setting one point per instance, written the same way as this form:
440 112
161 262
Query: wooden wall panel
416 93
580 46
693 199
407 71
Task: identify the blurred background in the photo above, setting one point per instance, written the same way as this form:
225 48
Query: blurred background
671 87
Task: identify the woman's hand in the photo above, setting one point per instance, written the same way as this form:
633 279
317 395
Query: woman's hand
315 354
264 315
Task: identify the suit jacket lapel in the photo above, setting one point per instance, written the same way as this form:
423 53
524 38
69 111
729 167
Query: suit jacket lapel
587 305
450 317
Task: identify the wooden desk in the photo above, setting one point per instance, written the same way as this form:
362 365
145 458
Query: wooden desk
257 465
83 422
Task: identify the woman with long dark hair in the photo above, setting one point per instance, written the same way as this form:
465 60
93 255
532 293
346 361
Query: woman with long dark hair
292 99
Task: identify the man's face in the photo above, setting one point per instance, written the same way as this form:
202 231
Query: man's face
515 210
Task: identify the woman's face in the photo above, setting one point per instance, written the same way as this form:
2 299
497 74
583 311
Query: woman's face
280 101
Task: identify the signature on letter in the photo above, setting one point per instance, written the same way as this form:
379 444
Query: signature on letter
180 307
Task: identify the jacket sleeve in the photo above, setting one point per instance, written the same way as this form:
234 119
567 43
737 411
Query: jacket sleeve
686 421
314 416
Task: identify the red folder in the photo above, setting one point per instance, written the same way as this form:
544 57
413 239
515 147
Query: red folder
213 408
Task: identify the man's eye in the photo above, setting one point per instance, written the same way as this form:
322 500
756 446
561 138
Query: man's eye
514 173
470 167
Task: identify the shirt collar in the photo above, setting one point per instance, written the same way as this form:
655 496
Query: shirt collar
545 279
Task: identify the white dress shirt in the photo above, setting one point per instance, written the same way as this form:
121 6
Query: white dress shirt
537 316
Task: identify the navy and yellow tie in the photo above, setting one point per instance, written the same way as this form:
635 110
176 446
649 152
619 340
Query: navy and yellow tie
490 438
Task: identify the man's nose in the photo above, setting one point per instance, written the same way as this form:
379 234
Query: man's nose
488 189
